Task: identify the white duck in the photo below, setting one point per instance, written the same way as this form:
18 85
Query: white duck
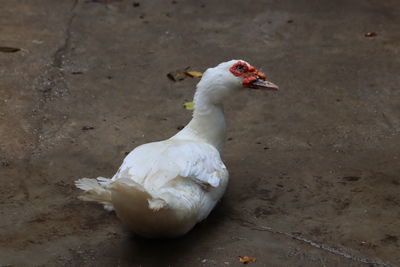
163 189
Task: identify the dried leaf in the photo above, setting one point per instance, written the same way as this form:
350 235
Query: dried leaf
4 163
105 1
7 49
370 34
351 178
194 74
177 75
188 105
85 128
246 259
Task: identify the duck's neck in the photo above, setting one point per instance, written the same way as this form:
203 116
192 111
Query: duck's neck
208 122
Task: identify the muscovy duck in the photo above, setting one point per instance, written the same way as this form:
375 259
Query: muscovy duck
162 189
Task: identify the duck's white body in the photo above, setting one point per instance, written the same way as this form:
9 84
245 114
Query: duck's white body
163 189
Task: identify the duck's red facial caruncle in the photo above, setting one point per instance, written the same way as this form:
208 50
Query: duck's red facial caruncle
252 78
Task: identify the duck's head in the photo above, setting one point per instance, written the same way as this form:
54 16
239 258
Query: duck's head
232 76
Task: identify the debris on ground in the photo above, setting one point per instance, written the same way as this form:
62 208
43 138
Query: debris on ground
177 75
246 259
85 128
351 178
105 1
181 74
370 34
4 163
194 74
6 49
188 105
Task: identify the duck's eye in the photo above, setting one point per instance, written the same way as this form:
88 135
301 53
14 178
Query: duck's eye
240 68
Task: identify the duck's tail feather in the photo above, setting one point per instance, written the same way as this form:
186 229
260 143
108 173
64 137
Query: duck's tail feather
96 190
139 210
150 214
135 195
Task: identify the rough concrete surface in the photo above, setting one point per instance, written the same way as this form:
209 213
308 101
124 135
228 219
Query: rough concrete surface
318 160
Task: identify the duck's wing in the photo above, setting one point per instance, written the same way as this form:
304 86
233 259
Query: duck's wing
155 164
200 162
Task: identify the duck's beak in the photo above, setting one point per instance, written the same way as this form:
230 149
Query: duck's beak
263 85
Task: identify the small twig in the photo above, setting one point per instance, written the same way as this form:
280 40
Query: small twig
321 246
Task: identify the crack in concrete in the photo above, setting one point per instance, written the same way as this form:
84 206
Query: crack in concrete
56 66
54 69
61 52
331 250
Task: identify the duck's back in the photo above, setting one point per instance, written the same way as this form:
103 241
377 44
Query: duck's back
165 188
154 165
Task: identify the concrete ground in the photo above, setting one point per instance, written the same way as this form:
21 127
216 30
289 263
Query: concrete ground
317 161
